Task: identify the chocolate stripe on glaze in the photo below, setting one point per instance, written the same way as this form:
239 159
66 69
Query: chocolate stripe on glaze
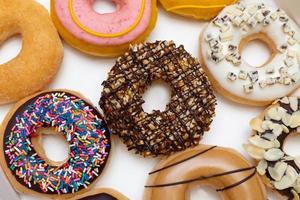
182 161
100 196
208 177
238 183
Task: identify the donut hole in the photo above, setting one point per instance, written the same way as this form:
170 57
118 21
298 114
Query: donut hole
205 192
51 146
104 6
156 96
257 50
10 48
291 144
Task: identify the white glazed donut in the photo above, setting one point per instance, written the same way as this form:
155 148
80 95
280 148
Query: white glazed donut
226 36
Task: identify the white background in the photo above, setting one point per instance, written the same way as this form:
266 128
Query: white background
126 171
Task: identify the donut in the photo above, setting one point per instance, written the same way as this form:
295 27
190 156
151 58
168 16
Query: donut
101 194
41 54
280 171
223 40
202 10
188 114
104 34
60 112
221 168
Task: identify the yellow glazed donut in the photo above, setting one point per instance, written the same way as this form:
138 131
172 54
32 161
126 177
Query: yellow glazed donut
204 9
107 34
280 171
220 168
223 40
41 53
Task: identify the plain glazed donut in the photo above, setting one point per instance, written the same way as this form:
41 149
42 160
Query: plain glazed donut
280 171
221 168
104 34
203 10
26 165
225 37
101 194
186 117
41 54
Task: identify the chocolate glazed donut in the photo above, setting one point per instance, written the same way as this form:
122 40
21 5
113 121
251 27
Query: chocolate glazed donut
221 168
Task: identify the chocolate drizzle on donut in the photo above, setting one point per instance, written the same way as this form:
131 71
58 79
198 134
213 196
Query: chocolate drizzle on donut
281 170
85 164
201 178
186 117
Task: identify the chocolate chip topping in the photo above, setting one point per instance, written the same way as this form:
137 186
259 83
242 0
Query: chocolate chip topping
186 117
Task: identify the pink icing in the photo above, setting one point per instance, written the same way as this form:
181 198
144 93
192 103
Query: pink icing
126 14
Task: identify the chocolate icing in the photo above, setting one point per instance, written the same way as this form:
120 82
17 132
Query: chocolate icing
101 196
187 116
21 109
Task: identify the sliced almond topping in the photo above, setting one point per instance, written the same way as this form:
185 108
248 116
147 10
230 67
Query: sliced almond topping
285 100
285 129
254 152
294 103
260 142
273 154
262 167
256 124
295 194
297 185
266 124
273 113
286 119
278 170
287 180
276 128
270 136
295 120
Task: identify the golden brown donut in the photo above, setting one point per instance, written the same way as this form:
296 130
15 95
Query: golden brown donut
41 53
101 194
221 168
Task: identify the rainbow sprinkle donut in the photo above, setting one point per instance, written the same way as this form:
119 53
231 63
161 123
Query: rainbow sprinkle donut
82 126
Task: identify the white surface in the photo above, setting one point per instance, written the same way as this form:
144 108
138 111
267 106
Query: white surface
126 171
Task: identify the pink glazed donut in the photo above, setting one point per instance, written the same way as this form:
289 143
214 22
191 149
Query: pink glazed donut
107 34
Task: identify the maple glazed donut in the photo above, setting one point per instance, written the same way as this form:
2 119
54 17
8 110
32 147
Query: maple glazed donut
221 168
280 171
188 114
41 54
225 37
68 114
107 34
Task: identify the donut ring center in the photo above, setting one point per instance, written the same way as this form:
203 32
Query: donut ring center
104 6
290 142
38 145
10 31
262 37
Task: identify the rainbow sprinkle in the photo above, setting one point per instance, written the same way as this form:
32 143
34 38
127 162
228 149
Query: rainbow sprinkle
83 128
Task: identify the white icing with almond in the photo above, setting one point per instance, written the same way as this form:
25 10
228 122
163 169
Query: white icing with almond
220 52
